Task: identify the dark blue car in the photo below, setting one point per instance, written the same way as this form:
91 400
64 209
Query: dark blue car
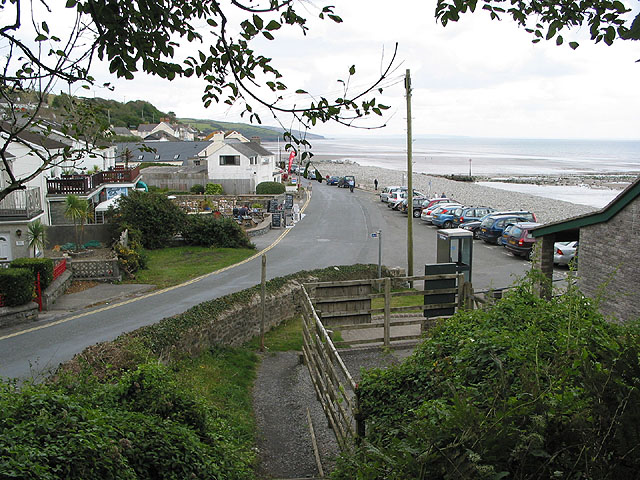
492 226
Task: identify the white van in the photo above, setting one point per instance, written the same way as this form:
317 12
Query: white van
387 191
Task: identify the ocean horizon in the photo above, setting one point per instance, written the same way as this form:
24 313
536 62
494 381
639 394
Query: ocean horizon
485 156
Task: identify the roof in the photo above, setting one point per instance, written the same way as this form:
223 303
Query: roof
161 135
600 216
147 127
249 149
164 151
32 138
121 131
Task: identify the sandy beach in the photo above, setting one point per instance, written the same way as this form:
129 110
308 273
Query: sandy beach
547 210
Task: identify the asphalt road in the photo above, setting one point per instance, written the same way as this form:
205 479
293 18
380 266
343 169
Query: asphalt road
335 231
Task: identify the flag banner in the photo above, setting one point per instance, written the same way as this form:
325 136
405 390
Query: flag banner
291 157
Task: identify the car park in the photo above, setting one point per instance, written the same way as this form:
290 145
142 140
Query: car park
493 226
441 217
387 191
430 202
468 214
565 253
472 226
520 242
428 214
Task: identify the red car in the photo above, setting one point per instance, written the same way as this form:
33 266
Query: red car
519 241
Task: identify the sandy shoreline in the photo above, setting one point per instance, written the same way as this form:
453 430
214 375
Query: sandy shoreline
547 210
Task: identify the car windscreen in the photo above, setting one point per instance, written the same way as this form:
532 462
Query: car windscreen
487 222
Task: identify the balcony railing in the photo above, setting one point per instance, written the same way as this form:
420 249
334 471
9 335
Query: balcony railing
21 204
83 184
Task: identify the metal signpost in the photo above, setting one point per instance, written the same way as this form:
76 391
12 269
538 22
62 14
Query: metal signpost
378 235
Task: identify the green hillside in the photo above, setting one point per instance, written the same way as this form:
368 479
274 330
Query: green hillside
266 134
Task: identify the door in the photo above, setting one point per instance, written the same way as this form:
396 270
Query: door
5 248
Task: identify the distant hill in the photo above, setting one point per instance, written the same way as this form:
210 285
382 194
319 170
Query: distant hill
266 134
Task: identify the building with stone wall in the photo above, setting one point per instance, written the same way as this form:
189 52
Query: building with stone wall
609 242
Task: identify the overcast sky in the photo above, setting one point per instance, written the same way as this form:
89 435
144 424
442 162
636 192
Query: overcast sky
476 77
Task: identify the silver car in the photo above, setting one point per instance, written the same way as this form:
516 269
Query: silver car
565 252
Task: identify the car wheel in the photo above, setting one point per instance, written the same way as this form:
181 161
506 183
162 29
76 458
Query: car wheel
416 214
475 235
529 254
447 225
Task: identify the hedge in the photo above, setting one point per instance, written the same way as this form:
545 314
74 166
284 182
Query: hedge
16 285
270 188
43 266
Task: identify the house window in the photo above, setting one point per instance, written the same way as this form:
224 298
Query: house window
196 163
176 156
229 159
253 160
157 157
140 157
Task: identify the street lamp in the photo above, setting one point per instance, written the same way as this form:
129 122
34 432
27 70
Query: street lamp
469 168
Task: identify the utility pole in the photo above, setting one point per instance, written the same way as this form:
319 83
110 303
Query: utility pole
407 85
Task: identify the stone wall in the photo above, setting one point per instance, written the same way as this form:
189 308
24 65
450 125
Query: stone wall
11 316
607 263
240 324
98 270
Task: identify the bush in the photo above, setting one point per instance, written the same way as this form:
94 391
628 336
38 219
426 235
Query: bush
197 188
132 257
207 231
16 285
526 389
154 215
213 189
43 266
270 188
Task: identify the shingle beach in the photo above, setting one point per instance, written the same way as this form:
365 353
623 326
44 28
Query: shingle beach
547 210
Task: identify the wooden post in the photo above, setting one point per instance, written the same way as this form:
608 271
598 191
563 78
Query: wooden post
407 85
387 310
263 290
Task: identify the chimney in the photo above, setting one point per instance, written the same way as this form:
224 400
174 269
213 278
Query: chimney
218 136
255 140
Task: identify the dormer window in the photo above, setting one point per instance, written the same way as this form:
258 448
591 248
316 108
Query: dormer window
176 156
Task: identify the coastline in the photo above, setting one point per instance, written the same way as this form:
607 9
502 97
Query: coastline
547 210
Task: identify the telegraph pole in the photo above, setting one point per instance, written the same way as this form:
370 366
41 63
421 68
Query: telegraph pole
407 85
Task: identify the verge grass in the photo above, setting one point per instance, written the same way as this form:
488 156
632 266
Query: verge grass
405 301
171 266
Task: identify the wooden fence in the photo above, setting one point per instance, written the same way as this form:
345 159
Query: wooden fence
334 386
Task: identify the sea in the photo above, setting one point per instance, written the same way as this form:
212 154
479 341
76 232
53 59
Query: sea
497 159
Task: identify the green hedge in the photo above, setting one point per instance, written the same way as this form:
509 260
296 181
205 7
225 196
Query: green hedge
16 285
270 188
208 231
43 266
214 189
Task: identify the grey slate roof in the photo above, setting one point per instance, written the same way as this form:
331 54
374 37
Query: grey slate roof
250 149
166 151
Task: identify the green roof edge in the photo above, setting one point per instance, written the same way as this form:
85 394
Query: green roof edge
603 215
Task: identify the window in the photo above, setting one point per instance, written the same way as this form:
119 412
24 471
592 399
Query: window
196 163
140 157
229 159
176 156
253 160
157 157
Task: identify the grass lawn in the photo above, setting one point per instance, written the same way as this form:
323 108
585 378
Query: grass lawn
172 266
406 301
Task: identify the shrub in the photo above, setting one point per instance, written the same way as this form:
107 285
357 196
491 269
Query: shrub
132 257
156 216
197 188
525 389
16 285
270 188
208 231
43 266
213 189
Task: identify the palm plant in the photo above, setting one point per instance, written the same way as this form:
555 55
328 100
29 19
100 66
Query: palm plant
36 235
77 209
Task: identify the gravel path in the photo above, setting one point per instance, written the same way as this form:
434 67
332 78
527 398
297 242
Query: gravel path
546 209
281 395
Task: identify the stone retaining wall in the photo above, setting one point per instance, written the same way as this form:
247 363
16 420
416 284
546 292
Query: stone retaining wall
11 316
98 270
238 325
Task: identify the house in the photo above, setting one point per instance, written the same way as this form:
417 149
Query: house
230 160
607 264
178 131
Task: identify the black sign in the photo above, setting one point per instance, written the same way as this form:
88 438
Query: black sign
272 206
276 219
288 201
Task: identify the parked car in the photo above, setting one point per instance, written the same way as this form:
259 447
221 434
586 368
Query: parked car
505 233
520 242
472 226
387 191
416 201
311 174
333 180
428 214
441 217
395 200
429 203
468 214
344 181
492 226
565 252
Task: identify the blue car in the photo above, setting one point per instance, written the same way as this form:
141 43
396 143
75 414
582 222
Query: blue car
493 226
333 180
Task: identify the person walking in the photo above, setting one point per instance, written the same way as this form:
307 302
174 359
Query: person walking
444 195
352 184
375 184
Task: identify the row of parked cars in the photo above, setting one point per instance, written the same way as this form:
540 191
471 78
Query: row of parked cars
511 229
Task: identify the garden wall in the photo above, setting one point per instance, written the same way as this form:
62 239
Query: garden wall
61 234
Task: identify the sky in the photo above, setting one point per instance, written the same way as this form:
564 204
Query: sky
475 77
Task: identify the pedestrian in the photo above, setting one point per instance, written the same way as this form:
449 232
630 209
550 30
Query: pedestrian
352 184
444 195
375 184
